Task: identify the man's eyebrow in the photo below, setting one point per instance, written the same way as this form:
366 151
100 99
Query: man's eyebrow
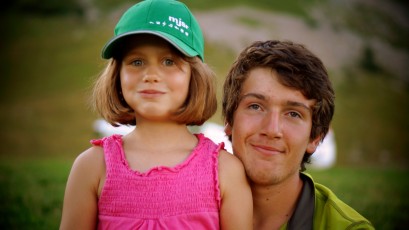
299 104
256 95
288 103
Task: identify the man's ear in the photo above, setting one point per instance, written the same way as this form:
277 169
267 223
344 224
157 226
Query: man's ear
313 144
227 129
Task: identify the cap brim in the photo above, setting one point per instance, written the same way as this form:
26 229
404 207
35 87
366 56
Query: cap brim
108 50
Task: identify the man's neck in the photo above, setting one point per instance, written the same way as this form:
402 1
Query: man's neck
275 204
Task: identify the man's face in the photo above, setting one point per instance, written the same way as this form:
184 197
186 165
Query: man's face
271 130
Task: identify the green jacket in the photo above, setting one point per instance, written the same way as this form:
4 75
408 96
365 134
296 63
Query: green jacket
319 208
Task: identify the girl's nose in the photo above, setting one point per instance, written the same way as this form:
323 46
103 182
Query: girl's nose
151 75
151 78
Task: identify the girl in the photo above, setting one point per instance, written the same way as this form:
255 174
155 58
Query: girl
159 176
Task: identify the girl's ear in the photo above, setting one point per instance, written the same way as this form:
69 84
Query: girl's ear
313 144
227 129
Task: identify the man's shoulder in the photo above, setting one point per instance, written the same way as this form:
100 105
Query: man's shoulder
331 211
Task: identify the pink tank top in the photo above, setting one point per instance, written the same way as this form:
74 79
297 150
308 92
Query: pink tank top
186 196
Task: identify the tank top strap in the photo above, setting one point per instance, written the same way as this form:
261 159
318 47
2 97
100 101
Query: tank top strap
113 152
209 147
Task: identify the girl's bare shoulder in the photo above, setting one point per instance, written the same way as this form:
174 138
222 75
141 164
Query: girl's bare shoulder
230 165
90 162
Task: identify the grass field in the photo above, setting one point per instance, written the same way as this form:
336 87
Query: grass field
48 65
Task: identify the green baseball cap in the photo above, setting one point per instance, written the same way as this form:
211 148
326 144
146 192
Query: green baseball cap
168 19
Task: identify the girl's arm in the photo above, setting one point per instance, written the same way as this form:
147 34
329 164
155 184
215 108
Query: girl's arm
237 202
81 192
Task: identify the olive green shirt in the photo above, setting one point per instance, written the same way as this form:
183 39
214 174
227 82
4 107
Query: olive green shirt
319 208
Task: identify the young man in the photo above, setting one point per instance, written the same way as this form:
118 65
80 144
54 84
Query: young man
278 104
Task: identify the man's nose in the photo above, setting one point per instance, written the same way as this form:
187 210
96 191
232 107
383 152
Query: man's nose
272 125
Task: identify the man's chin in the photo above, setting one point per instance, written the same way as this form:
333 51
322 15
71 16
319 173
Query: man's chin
264 178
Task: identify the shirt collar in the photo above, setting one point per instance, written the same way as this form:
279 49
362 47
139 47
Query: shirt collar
302 219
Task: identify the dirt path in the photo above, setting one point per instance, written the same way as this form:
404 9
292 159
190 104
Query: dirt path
237 27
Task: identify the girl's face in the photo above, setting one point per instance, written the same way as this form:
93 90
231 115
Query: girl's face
154 78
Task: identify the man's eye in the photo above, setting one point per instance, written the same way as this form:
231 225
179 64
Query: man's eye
137 63
254 107
294 114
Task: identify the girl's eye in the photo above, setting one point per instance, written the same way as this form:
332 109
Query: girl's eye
168 62
137 63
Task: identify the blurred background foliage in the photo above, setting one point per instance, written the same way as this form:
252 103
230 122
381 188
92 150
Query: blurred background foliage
51 55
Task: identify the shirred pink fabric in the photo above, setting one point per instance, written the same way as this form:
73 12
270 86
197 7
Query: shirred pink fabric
186 196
